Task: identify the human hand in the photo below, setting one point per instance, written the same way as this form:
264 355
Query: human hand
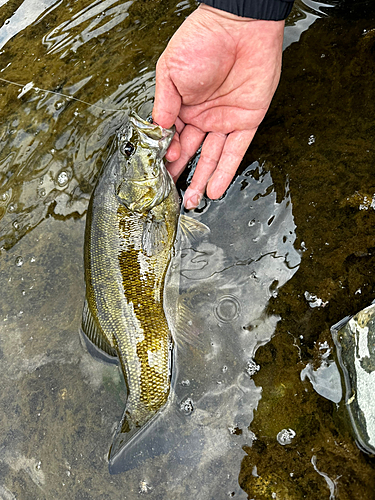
215 81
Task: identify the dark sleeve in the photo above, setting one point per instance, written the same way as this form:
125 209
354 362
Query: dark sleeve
272 10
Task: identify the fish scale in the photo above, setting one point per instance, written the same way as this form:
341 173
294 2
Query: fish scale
149 311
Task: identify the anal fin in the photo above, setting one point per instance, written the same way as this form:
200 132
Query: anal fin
94 338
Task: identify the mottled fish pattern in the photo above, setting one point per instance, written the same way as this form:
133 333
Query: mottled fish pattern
130 233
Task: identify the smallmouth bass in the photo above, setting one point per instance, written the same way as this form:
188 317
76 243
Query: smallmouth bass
130 233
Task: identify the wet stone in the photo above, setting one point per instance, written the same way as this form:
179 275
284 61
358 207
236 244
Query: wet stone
355 345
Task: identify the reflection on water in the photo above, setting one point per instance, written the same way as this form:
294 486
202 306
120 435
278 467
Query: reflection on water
27 13
102 53
318 135
303 15
257 296
225 284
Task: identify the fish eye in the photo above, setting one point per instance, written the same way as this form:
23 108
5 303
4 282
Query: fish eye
127 149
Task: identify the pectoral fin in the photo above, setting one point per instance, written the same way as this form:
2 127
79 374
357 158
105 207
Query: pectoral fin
154 236
192 228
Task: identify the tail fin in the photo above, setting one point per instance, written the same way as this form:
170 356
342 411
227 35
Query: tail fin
126 438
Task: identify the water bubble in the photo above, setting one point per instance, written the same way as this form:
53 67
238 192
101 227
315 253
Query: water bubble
5 197
285 436
42 193
12 207
314 301
251 223
252 368
62 178
311 140
186 406
15 224
228 308
144 487
19 261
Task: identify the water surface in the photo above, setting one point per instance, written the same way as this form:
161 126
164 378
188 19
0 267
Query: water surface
256 300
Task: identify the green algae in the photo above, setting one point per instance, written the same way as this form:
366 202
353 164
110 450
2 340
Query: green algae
317 137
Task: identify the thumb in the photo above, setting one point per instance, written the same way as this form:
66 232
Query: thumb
167 102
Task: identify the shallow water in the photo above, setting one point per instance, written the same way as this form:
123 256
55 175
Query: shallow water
257 301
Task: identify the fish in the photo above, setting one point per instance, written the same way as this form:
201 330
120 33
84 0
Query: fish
130 235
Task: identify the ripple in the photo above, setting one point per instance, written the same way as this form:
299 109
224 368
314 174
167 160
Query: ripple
228 308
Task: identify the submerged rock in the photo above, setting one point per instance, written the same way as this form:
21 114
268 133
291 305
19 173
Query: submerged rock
355 344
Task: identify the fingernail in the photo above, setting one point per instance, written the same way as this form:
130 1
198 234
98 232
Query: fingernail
192 202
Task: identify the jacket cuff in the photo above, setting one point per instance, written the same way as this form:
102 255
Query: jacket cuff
271 10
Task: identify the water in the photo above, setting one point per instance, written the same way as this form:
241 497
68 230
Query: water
256 300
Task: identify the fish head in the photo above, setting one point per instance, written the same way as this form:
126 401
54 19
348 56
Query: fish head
143 181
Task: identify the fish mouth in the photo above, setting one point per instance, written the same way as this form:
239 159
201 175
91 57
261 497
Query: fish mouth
152 130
